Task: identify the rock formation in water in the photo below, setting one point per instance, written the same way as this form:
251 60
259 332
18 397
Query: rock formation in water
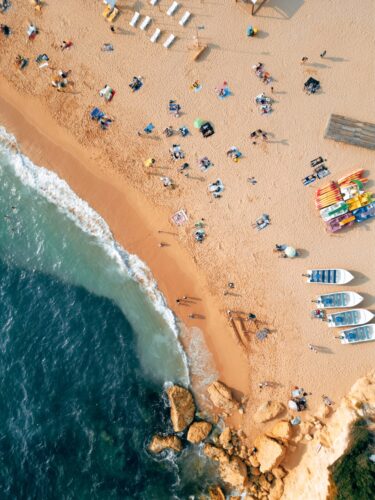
182 407
198 431
161 443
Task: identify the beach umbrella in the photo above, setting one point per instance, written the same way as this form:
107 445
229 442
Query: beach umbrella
111 3
198 122
290 252
292 405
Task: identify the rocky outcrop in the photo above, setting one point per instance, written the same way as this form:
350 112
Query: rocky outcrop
216 493
232 470
198 431
225 438
268 411
269 453
234 473
221 396
281 431
311 477
215 453
161 443
182 407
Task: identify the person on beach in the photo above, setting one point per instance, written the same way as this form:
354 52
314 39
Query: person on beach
323 54
304 60
261 385
5 29
251 317
66 45
312 348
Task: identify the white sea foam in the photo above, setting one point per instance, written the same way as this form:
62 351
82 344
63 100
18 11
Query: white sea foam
57 191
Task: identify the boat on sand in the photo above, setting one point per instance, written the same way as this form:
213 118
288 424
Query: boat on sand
338 299
328 276
349 318
364 333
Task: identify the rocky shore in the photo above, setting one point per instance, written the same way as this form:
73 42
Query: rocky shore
256 469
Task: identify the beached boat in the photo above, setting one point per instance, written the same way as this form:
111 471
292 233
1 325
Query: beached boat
349 318
338 299
359 334
329 276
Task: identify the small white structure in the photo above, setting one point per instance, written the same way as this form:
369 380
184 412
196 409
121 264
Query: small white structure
146 21
155 35
153 2
168 41
184 19
172 8
134 19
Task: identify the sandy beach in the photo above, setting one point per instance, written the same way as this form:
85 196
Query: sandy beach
106 167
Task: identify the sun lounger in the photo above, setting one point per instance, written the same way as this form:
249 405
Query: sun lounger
184 18
113 15
155 35
134 19
172 8
168 41
145 23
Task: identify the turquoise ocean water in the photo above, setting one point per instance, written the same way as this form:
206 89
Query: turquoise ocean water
87 345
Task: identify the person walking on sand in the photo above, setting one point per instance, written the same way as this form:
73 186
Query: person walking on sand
323 54
312 348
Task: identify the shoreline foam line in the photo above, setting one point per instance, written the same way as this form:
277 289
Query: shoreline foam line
58 192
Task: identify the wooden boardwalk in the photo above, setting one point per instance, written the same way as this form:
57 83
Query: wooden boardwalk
350 131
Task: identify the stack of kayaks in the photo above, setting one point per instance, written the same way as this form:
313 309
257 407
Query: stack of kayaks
345 202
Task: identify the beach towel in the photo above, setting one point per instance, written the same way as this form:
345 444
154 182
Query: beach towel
180 217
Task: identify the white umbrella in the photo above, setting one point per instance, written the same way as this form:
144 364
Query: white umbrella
290 252
292 405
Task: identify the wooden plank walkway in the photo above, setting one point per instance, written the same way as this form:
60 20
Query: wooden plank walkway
350 131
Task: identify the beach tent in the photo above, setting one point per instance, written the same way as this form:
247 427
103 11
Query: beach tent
290 252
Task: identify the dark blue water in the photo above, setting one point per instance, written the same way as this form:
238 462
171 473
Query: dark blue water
86 345
76 411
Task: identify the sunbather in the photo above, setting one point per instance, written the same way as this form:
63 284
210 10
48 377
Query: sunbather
5 29
136 83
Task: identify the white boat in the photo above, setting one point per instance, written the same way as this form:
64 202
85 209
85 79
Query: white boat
338 299
328 276
364 333
349 318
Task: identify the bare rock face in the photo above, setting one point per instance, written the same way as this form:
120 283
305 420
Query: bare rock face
270 453
216 493
277 490
182 407
221 396
225 438
160 443
234 473
198 431
268 411
215 453
282 431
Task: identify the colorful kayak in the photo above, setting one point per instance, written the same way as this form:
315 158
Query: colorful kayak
364 213
329 276
364 333
333 211
338 223
338 299
349 318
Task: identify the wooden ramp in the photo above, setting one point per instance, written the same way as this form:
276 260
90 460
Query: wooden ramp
350 131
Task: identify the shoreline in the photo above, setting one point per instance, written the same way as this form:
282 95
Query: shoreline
176 275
